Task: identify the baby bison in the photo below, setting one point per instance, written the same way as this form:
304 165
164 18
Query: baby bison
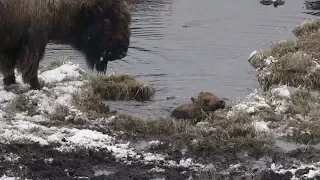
205 101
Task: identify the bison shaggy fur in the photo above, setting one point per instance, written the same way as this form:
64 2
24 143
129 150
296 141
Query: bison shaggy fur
205 101
99 29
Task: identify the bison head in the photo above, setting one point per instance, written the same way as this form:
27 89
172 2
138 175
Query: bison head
209 102
106 34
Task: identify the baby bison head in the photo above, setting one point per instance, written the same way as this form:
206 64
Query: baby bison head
107 34
209 102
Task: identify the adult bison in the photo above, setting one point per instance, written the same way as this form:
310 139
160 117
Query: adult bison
100 29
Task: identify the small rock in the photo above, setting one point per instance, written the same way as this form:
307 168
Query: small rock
267 175
202 124
171 97
251 110
281 92
252 54
301 172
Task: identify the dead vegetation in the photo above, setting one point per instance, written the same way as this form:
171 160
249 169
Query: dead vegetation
121 87
276 50
304 126
90 98
296 62
60 113
307 28
214 136
19 104
91 103
305 132
303 102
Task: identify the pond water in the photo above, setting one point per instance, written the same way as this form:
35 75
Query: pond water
183 47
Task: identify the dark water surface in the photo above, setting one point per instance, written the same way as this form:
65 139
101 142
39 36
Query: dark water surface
183 47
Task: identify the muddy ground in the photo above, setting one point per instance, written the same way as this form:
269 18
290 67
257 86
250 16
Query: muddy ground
43 162
33 161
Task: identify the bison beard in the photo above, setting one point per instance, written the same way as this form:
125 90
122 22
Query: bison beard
99 29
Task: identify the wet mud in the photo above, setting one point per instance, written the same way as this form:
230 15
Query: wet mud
44 162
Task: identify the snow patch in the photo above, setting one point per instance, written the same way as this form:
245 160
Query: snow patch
254 102
4 177
156 169
11 157
261 126
252 54
6 96
67 70
314 170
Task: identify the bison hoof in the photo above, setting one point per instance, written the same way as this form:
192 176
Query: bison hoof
37 84
12 88
8 80
35 87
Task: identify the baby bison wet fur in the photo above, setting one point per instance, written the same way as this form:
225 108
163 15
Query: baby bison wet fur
205 101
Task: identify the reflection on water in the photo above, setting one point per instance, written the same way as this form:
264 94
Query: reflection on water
183 47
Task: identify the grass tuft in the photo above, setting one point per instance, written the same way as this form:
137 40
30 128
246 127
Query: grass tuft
297 63
90 102
122 87
17 105
60 113
276 50
307 28
302 102
296 69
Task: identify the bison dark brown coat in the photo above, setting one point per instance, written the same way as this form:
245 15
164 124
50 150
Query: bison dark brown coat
100 29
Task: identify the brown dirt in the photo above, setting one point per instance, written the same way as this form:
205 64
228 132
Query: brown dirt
74 165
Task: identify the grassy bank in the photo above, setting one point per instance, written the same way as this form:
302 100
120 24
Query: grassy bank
293 62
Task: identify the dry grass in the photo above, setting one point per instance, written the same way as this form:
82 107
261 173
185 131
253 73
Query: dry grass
305 132
297 62
122 87
54 64
60 113
307 28
302 102
297 65
276 50
18 104
99 88
296 69
90 102
310 44
216 135
304 124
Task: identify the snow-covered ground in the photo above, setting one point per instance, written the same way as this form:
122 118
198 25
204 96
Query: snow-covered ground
279 100
23 126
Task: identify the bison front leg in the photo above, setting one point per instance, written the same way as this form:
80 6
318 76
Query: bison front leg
33 48
9 78
7 65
